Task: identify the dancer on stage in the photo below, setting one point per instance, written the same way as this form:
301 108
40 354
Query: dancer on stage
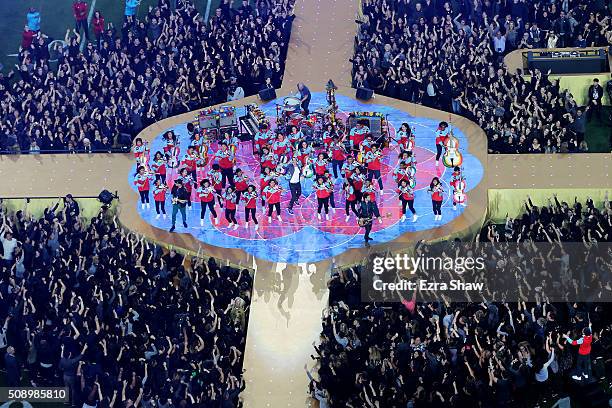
225 160
267 159
358 134
141 151
406 196
158 166
441 135
408 158
272 194
437 196
207 194
349 167
263 136
322 190
230 207
250 204
358 180
171 148
338 156
142 181
180 196
369 190
159 196
372 158
281 147
320 165
405 138
328 135
304 152
330 182
189 162
241 181
215 176
350 200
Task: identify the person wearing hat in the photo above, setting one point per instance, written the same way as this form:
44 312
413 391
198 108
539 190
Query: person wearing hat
583 362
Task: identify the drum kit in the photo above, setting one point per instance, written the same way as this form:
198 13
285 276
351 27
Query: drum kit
289 114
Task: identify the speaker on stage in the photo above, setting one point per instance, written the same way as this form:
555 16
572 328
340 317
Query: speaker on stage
364 94
267 94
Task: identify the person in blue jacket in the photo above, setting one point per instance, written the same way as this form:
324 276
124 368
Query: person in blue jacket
33 18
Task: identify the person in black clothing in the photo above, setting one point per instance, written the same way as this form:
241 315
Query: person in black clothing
13 373
180 197
366 213
595 96
304 97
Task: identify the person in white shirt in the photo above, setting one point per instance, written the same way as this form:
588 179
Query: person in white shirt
8 244
293 171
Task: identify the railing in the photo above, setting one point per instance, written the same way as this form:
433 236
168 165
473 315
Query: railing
125 149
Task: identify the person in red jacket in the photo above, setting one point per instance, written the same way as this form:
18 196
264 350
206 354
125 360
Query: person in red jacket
142 182
250 199
323 192
372 158
241 181
225 159
338 156
230 207
27 38
436 191
272 194
206 193
583 363
406 196
441 137
98 26
159 196
79 9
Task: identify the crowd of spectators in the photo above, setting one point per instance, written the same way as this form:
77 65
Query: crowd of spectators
488 353
116 319
82 96
449 55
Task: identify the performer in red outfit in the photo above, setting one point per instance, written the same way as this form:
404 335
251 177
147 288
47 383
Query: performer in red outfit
441 136
436 191
142 181
272 195
159 196
406 196
322 190
206 193
250 204
231 202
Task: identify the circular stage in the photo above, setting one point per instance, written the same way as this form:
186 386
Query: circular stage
302 237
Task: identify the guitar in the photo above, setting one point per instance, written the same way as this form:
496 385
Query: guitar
177 201
362 222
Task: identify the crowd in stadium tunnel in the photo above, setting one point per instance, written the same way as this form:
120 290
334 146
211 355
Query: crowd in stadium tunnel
491 353
115 318
449 55
98 96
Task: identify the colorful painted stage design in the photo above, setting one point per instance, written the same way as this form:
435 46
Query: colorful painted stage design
302 237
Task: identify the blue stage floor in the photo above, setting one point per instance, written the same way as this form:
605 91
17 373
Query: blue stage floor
302 238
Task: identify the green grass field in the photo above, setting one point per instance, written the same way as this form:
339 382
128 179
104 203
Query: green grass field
56 17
